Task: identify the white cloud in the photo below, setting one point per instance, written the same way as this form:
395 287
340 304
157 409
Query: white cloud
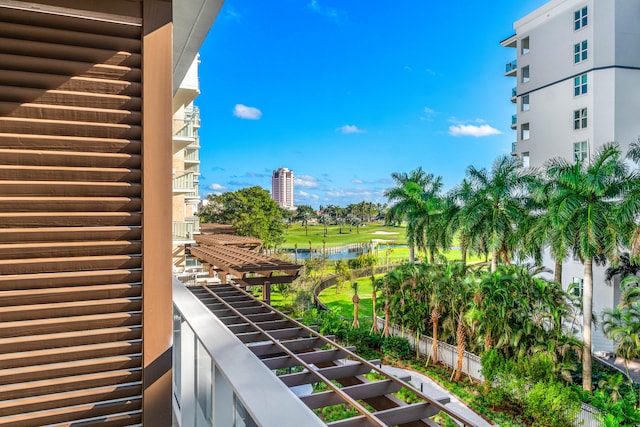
472 130
351 129
357 181
217 187
306 181
322 10
244 112
304 194
429 111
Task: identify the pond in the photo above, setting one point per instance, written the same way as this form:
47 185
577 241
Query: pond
334 254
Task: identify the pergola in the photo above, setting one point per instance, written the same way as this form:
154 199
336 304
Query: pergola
228 240
229 255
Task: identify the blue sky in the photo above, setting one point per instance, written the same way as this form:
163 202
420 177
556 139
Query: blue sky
347 92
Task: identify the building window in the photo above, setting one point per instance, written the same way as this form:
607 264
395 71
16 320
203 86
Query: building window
580 119
524 46
580 52
580 18
525 74
580 151
525 159
580 85
524 106
524 131
576 286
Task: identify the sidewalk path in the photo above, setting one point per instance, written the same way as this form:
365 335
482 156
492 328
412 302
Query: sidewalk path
618 363
431 388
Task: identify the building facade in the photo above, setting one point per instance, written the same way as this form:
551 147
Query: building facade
186 167
577 87
282 182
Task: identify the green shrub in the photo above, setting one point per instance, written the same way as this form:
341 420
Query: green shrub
551 404
397 347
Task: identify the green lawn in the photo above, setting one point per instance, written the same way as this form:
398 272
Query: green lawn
296 234
341 302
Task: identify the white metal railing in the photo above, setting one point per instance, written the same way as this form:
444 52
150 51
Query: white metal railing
191 155
183 230
184 182
218 381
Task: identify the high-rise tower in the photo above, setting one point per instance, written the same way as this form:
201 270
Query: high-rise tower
282 187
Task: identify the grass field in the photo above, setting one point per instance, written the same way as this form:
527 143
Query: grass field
296 234
341 302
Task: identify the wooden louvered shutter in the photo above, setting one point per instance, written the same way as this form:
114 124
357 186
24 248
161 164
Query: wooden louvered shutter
71 265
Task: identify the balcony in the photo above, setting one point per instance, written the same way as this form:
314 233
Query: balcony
514 95
183 230
193 194
511 68
195 220
184 183
514 121
191 156
185 130
218 380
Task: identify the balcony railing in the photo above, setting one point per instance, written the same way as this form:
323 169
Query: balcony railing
514 93
193 194
191 156
184 183
514 148
183 230
511 67
218 380
195 220
514 120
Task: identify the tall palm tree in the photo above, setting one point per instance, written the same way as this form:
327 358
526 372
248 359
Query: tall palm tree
543 230
495 206
412 200
376 284
622 324
356 303
583 205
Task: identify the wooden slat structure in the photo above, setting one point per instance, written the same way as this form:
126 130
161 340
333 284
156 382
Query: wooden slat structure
282 342
228 254
76 248
249 243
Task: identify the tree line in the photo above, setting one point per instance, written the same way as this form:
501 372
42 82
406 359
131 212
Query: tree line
587 209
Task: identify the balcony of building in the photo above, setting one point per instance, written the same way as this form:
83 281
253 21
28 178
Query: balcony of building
191 156
185 183
511 41
194 194
514 148
185 130
511 68
514 95
183 230
514 121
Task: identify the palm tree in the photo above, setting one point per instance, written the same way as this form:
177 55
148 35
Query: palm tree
583 205
495 206
410 204
541 232
622 324
356 303
393 287
376 284
458 306
325 219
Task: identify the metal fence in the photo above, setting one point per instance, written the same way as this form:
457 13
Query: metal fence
447 353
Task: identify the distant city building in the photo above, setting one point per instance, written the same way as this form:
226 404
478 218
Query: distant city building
282 187
577 71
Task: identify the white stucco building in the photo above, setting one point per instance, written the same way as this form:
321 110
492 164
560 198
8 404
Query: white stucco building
282 187
577 87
